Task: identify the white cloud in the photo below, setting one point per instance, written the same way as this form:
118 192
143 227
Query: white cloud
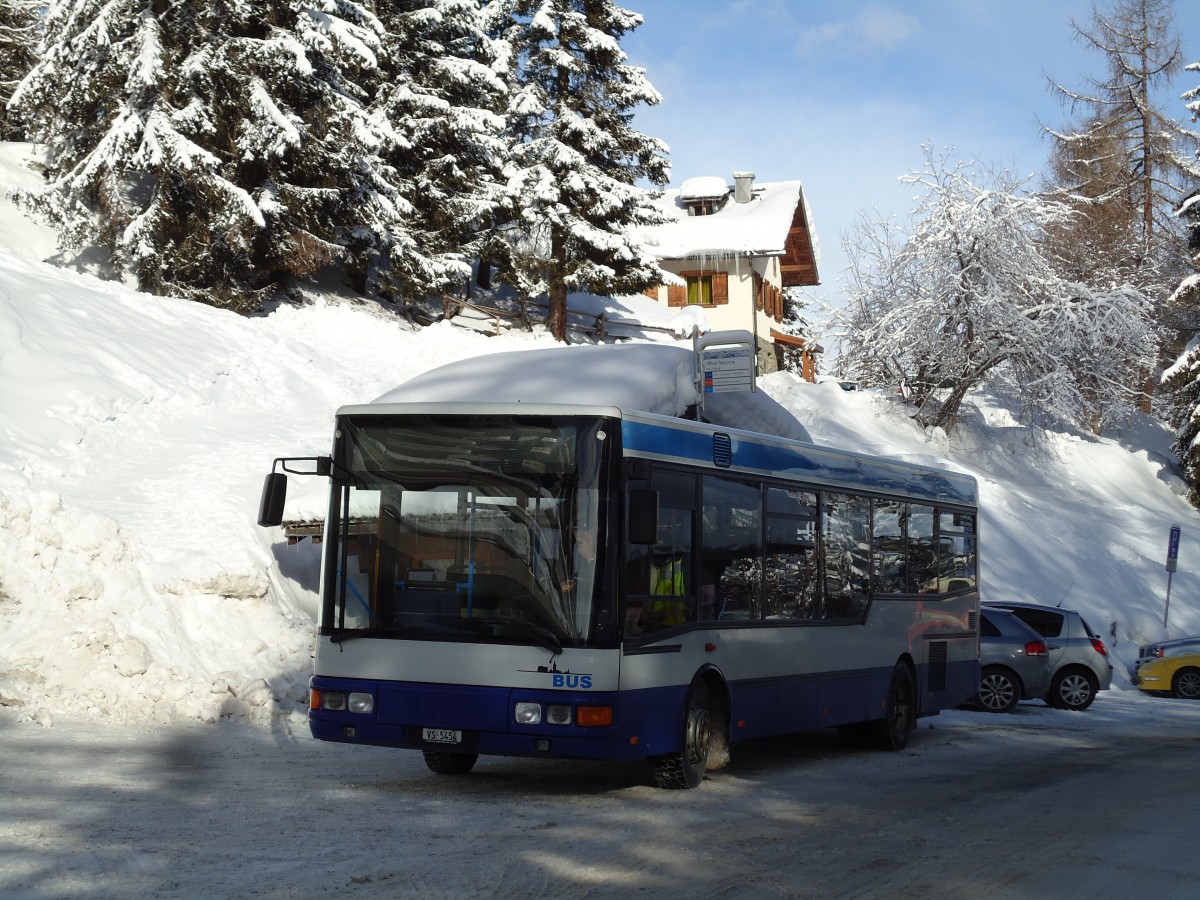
876 29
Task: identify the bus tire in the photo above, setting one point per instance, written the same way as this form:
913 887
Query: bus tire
444 763
893 730
685 769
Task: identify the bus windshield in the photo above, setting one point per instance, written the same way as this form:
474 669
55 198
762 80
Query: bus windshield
478 528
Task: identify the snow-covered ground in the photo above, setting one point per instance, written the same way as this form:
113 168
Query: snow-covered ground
139 601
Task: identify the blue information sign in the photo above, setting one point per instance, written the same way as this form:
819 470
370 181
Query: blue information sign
1173 549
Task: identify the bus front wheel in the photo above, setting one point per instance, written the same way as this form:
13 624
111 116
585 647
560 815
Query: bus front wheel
685 769
449 763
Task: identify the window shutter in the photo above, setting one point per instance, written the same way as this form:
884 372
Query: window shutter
651 292
720 285
676 295
760 288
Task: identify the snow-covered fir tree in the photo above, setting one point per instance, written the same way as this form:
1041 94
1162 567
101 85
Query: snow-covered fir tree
444 96
1182 378
20 30
966 296
214 149
574 156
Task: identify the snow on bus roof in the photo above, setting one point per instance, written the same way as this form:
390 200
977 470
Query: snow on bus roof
651 377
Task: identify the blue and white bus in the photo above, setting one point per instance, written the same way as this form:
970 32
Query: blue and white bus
600 583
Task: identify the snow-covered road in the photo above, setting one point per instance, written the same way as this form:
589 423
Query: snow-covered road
1042 803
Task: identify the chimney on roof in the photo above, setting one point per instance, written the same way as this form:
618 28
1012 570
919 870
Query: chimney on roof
743 186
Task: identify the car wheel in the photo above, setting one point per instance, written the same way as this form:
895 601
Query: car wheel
1186 684
1073 689
685 769
450 763
999 691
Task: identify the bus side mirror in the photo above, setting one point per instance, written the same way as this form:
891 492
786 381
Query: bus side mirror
270 507
643 516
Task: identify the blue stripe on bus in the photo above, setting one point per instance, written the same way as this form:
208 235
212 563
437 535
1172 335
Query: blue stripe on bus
817 465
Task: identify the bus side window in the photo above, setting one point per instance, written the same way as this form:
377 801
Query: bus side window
790 572
847 538
956 551
922 550
659 577
671 600
732 542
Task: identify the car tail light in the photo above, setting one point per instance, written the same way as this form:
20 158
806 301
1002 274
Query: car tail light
1036 648
1099 645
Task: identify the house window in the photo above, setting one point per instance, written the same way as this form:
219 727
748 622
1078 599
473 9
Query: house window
700 290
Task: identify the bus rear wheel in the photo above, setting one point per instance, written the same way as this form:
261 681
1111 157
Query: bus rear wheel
893 730
449 763
685 769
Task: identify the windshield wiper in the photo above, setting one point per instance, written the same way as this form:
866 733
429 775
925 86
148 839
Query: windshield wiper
542 635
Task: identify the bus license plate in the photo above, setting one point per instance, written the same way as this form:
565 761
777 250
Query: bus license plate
441 736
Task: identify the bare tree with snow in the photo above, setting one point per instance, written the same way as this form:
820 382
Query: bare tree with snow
574 156
1125 164
966 296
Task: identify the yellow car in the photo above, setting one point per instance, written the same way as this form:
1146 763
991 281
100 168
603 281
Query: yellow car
1178 675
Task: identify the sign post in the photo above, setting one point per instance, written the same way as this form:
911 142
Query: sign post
725 362
1172 565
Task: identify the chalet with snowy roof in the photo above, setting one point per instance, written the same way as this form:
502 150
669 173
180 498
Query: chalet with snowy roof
732 250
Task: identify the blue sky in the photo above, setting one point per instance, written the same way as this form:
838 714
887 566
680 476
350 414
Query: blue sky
843 94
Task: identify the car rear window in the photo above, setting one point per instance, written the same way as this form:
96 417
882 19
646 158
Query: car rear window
987 627
1044 622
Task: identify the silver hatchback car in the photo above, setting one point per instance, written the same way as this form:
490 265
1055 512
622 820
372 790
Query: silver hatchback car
1014 662
1078 656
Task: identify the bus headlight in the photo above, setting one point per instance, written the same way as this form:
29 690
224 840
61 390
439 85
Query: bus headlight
340 701
528 713
558 715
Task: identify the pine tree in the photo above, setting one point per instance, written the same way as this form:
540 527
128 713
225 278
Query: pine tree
444 98
216 150
1182 378
1100 245
20 30
574 156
